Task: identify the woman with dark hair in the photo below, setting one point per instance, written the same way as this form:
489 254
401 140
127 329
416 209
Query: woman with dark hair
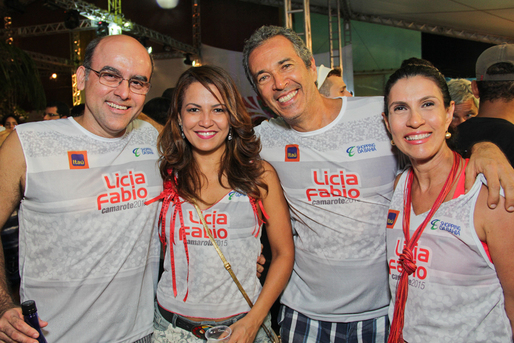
210 159
9 122
451 267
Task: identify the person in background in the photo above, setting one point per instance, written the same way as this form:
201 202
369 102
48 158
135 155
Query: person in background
9 122
466 104
168 93
494 86
451 270
209 158
56 110
330 82
158 109
77 110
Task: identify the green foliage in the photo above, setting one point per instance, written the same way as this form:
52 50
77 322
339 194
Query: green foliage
19 79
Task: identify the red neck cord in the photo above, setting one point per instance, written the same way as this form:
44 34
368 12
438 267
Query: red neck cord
406 259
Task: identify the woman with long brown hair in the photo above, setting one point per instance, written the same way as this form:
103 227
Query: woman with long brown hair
210 159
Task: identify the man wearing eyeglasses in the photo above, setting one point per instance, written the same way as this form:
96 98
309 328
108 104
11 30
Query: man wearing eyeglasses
88 250
56 110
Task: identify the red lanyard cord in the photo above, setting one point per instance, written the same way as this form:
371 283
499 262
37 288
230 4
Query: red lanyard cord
406 259
169 196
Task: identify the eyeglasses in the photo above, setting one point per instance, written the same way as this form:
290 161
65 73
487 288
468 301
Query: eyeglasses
50 115
113 80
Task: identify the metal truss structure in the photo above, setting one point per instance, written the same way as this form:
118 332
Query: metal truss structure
55 64
95 14
44 29
306 9
117 23
334 35
76 57
423 27
7 25
435 29
167 55
197 34
115 8
298 4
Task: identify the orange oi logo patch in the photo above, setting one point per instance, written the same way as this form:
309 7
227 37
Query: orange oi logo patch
292 153
78 159
392 216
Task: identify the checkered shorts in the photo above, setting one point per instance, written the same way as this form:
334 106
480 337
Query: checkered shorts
297 328
146 339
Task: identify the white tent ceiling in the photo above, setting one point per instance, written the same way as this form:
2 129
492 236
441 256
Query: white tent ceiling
490 21
483 17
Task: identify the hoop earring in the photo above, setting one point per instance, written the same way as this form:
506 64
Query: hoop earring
392 143
229 137
448 135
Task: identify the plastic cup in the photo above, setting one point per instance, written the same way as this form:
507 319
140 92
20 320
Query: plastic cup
219 333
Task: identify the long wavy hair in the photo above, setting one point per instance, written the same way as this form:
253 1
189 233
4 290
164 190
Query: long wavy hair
240 162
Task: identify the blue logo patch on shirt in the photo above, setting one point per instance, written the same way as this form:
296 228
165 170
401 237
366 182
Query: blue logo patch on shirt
78 160
292 153
392 216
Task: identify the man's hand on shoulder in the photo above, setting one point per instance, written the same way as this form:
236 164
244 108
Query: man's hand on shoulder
488 159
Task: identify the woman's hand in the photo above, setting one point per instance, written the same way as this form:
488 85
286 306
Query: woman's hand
244 330
261 262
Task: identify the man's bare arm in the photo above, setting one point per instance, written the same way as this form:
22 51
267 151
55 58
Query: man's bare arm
12 185
12 169
488 159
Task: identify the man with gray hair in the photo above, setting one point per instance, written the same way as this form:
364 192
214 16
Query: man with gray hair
494 87
466 104
337 170
326 152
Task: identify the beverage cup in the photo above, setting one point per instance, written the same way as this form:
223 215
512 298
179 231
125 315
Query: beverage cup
219 333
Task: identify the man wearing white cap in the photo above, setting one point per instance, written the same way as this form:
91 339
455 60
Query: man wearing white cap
330 82
495 89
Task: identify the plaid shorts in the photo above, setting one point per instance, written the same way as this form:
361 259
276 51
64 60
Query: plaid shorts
296 327
146 339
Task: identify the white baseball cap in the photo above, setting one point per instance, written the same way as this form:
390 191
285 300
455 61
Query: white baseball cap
495 54
322 74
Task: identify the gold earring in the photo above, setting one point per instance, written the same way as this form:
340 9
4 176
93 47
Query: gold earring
448 135
392 142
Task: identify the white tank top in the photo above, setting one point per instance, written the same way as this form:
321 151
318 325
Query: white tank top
88 248
208 291
455 294
338 181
